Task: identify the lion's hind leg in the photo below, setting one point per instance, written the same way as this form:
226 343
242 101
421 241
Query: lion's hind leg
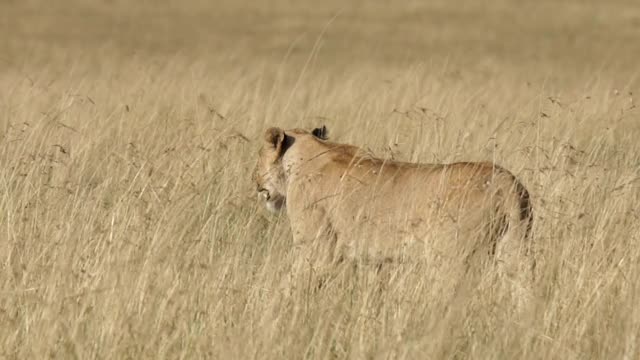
515 261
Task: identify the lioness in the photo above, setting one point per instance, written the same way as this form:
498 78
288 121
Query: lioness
344 202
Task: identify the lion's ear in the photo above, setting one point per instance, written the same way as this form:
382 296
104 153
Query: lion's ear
321 133
279 141
274 137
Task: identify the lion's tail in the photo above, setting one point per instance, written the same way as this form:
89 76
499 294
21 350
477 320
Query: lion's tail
526 210
517 236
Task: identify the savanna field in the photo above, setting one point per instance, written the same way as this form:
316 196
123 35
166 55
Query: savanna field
130 227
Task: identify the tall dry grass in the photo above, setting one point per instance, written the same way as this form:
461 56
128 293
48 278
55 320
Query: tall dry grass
129 226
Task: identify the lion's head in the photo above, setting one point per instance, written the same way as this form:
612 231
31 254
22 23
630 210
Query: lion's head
269 174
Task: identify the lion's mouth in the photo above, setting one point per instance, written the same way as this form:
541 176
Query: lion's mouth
273 203
264 194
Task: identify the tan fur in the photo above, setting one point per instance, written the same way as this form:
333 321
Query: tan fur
343 202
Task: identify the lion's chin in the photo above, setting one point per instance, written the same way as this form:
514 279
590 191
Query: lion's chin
276 205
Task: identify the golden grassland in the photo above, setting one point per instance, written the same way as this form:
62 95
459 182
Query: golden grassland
129 226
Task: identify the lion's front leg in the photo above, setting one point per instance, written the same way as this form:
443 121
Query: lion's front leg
314 248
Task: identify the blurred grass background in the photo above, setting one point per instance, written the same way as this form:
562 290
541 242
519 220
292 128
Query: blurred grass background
129 227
